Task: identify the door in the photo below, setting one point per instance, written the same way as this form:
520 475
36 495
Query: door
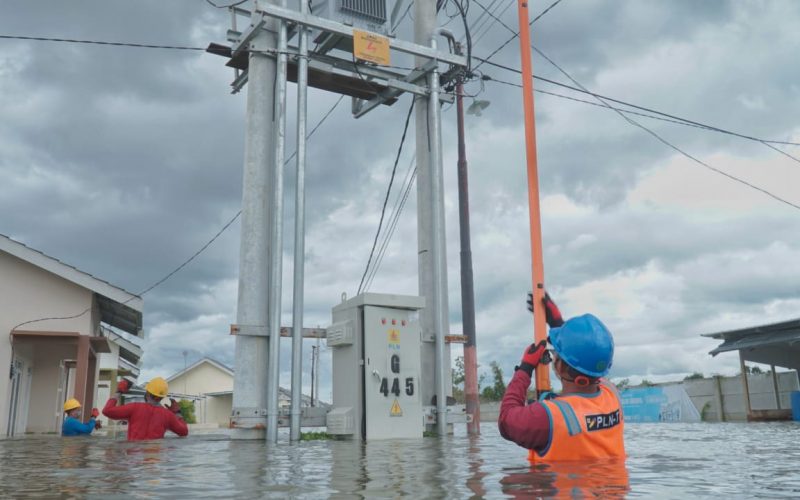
393 408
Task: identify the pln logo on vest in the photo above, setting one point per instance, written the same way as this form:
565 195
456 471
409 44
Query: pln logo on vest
602 421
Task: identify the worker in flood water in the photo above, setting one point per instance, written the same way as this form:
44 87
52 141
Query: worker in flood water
148 420
72 425
585 420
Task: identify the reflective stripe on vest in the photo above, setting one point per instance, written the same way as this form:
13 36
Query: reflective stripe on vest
583 427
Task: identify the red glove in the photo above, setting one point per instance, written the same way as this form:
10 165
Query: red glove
551 313
174 406
534 355
123 386
98 425
95 413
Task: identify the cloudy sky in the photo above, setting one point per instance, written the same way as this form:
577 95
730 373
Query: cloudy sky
124 161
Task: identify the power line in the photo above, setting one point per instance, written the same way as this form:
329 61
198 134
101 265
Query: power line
642 108
99 42
486 60
388 191
197 253
489 26
516 34
667 143
590 103
234 4
397 209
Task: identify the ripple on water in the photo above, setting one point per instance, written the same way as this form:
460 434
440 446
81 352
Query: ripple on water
665 461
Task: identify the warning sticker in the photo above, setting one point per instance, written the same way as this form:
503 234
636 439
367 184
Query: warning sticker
396 411
371 47
394 336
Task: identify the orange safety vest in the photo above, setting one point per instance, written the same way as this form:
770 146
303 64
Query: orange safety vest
583 427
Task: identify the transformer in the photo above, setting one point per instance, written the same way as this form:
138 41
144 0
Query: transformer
366 15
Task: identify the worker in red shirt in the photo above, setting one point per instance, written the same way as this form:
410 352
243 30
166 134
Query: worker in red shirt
148 420
585 420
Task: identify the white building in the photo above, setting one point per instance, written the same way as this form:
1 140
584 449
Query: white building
51 314
209 384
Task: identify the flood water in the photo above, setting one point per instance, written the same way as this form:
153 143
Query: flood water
665 461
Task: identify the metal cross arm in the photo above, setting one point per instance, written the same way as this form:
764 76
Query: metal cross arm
397 87
347 31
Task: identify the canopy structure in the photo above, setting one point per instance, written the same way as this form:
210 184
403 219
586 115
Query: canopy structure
775 344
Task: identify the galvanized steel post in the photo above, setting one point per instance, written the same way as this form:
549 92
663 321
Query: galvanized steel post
251 352
299 231
276 237
438 257
424 27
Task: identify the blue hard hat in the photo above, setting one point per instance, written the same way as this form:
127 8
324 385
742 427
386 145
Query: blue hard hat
585 344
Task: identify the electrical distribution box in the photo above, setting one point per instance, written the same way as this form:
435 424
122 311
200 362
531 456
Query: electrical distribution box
375 341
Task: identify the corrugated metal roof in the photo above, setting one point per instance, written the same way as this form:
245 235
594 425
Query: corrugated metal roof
759 339
793 324
775 343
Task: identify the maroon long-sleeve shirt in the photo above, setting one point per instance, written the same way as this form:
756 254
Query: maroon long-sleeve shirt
526 425
145 421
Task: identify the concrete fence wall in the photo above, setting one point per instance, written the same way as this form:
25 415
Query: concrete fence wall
717 396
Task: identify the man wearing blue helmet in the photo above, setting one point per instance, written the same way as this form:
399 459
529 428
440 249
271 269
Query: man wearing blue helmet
585 420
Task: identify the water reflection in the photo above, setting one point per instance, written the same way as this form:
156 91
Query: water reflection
675 461
597 479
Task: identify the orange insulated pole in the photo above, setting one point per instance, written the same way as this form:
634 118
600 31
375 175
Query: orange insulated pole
537 264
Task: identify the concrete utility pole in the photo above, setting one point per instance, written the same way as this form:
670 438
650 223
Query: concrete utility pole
252 343
431 231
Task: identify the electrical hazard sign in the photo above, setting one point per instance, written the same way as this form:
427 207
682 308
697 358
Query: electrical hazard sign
393 337
396 411
371 47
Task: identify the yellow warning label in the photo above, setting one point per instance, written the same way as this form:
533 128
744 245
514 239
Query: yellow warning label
371 47
396 411
394 336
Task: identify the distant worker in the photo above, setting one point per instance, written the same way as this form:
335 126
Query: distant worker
72 425
148 420
585 420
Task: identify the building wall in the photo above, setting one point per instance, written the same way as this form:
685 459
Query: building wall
28 292
217 410
203 379
109 360
704 395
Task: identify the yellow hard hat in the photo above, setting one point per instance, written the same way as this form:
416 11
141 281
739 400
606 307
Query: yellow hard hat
157 387
71 404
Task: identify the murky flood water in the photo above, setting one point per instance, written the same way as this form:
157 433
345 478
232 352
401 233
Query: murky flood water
665 461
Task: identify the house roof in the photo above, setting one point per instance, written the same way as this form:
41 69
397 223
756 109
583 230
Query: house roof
199 362
774 344
128 351
118 307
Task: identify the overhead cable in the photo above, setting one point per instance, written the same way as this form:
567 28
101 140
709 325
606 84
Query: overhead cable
516 34
636 106
482 60
388 192
98 42
196 254
669 144
397 209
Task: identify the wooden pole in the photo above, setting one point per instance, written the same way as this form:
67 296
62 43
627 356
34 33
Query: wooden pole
537 262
